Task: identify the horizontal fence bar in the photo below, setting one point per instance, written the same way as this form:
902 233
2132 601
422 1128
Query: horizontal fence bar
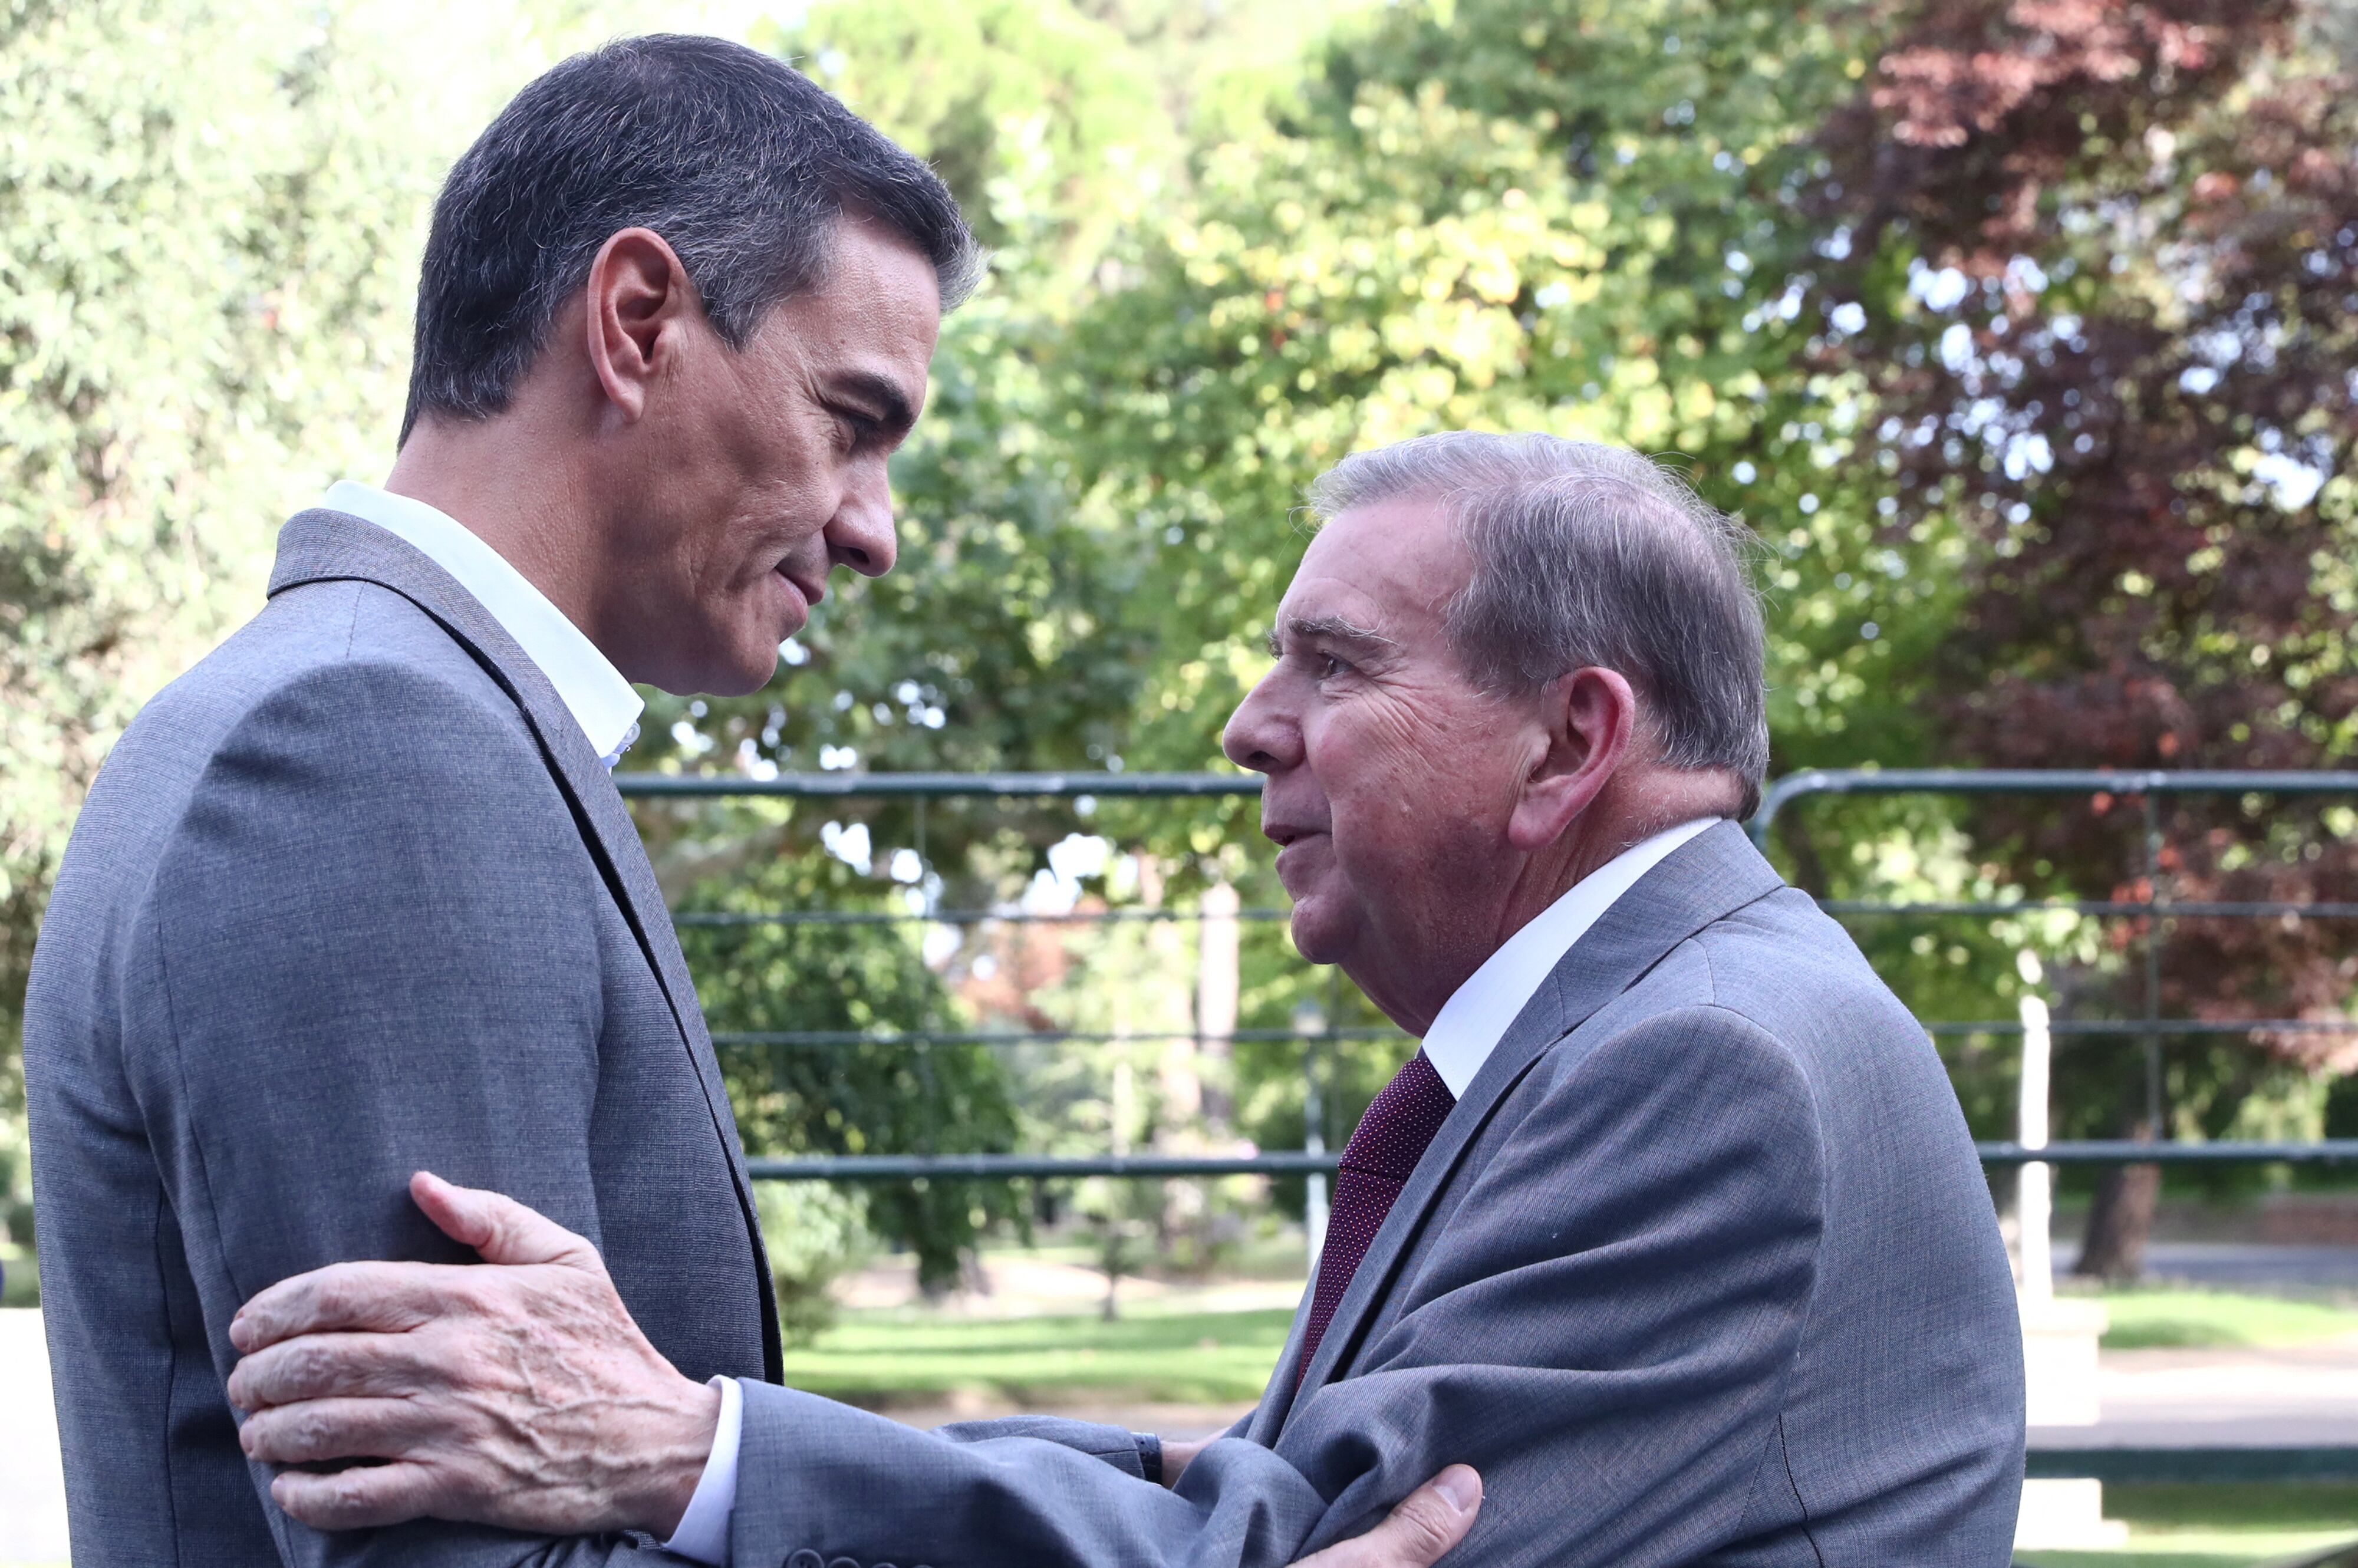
2126 1151
2040 781
1288 1162
1830 906
1816 781
1942 1029
953 917
938 786
993 1167
2180 1027
2125 1466
838 1037
2192 909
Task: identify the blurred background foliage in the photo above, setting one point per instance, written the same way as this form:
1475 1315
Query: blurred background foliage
2019 330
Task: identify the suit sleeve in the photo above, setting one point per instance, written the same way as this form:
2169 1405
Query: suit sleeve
1602 1330
369 950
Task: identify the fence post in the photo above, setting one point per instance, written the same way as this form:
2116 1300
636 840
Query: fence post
2154 1113
2034 1189
1311 1024
1216 1003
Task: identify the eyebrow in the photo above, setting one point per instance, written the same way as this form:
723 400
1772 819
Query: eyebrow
892 408
1331 629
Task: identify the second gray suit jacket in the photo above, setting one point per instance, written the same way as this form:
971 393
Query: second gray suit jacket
1701 1270
352 898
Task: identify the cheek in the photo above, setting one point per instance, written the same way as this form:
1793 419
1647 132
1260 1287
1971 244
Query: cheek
1409 798
1380 773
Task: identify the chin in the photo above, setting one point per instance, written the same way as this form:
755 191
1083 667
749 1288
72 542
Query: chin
742 662
1318 934
739 681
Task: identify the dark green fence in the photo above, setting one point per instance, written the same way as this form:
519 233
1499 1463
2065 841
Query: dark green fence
2148 788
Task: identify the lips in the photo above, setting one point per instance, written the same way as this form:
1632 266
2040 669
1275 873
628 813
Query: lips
811 591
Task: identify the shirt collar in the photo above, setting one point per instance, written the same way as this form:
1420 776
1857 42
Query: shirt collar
1475 1017
592 688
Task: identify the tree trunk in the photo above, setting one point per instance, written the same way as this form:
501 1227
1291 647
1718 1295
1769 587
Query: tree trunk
2120 1220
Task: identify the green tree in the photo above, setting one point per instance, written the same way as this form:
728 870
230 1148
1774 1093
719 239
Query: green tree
201 213
2120 377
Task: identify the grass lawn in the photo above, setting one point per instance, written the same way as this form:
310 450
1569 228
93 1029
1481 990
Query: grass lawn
2223 1525
2144 1318
900 1359
1152 1355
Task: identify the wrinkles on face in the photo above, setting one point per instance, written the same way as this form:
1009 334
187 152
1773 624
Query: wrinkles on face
770 469
1391 774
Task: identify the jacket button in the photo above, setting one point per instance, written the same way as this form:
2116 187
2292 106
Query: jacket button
843 1563
805 1558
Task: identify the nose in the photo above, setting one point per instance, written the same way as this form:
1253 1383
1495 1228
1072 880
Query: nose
860 535
1261 734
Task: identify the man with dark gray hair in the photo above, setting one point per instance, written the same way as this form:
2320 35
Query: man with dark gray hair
356 895
1672 1227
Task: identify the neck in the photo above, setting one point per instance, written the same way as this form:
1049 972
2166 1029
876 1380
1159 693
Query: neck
1638 804
1631 809
499 477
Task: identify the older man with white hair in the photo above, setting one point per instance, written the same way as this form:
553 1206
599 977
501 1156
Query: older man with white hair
1672 1228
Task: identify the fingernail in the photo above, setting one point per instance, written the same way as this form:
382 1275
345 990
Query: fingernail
1461 1486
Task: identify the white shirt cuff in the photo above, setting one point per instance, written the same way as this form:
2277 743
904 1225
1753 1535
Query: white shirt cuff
703 1531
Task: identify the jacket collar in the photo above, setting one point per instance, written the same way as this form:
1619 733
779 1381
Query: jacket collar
333 546
1705 881
600 700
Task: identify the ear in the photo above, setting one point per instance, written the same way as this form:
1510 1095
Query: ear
1590 721
639 306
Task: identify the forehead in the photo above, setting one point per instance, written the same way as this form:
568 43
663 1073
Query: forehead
877 309
1395 564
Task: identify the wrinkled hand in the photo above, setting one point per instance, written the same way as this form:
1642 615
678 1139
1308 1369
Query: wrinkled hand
521 1396
1416 1534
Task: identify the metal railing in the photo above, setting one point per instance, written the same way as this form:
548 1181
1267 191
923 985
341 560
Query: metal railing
1084 789
2148 788
2152 1027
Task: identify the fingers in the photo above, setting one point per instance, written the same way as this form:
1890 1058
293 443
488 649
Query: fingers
391 1298
1180 1452
1418 1533
320 1430
359 1498
374 1298
499 1228
330 1366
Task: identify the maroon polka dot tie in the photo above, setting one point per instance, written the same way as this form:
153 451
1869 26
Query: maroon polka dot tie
1376 1164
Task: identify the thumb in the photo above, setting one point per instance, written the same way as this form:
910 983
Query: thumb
1416 1534
499 1228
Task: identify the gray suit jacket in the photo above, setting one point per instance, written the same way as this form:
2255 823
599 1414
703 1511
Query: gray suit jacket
1701 1270
352 898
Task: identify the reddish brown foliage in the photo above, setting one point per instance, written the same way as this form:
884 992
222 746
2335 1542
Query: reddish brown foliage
2180 178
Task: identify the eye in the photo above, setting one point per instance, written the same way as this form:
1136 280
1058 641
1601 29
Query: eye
1329 667
854 429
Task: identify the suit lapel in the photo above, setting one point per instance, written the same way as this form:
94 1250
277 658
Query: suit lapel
1711 876
327 547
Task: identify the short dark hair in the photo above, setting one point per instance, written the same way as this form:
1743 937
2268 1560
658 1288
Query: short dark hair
1585 554
743 165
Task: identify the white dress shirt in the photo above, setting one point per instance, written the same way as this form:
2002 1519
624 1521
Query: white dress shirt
1461 1039
1477 1015
592 688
